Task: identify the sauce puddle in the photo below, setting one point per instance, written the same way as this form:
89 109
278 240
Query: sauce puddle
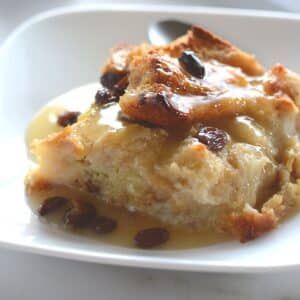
128 224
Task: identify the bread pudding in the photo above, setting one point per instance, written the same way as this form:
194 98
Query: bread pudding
202 137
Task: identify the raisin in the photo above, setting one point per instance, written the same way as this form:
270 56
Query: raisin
151 237
114 80
190 61
104 224
80 216
68 118
119 88
215 139
51 204
104 96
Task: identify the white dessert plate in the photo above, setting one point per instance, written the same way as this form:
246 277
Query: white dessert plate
59 50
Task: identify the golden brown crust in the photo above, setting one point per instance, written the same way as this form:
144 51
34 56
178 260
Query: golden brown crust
38 185
158 112
210 46
250 225
63 139
227 89
283 81
117 62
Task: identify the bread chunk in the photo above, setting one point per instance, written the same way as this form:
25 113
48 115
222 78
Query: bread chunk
204 138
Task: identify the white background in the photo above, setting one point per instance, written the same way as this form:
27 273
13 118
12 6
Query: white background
27 276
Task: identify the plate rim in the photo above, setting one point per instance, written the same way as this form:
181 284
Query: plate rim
145 8
143 262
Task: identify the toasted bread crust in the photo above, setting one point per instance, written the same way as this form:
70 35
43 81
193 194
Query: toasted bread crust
250 225
211 46
230 86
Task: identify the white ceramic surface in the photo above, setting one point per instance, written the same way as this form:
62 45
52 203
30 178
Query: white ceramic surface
63 49
13 12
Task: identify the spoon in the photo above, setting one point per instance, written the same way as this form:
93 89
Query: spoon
163 32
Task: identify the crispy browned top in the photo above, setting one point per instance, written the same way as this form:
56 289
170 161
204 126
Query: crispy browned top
162 91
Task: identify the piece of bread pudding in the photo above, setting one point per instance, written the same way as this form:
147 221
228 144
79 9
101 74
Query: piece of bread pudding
204 138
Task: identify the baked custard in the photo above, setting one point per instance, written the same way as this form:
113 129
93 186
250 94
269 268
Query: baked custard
194 135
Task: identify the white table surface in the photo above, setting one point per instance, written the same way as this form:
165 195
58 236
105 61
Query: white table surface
30 277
